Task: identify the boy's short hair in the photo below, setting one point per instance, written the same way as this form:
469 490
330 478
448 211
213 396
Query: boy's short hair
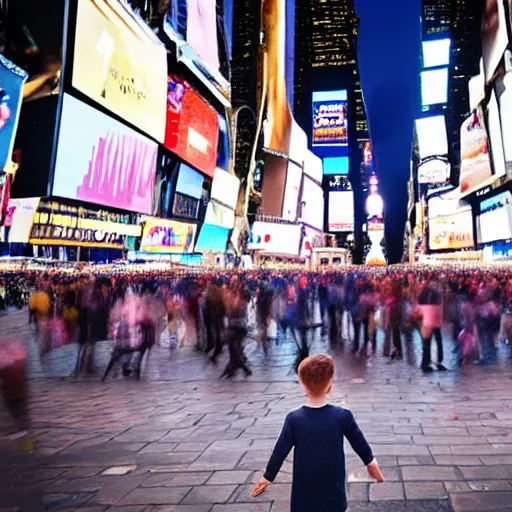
315 372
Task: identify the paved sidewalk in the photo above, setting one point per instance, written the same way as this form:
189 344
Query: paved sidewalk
181 440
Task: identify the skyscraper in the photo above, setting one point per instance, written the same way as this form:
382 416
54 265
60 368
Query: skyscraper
459 20
326 40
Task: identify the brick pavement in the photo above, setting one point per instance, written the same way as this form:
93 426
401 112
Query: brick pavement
181 440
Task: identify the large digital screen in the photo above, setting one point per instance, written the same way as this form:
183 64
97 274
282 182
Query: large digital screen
167 236
19 219
434 86
341 211
292 191
435 171
451 232
212 238
192 129
201 25
496 218
223 144
476 91
432 137
102 161
436 53
225 188
494 36
330 118
298 144
272 238
312 204
475 167
190 182
504 90
121 64
336 165
12 79
495 137
219 215
313 166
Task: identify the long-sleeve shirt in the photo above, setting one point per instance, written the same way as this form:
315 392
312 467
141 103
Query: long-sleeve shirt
319 475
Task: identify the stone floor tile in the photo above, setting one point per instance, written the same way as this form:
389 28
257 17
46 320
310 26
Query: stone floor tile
425 491
386 491
430 473
482 502
452 487
358 492
490 485
209 494
229 477
487 472
181 479
457 460
243 507
155 496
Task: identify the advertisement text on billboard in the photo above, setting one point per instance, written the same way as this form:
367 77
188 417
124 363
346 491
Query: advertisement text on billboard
330 118
167 236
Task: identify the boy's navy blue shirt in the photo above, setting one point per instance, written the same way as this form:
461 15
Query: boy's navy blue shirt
319 474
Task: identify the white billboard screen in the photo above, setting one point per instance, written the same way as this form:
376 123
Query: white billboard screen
498 156
504 90
341 211
496 218
432 138
436 53
312 202
434 171
292 191
494 36
434 86
272 238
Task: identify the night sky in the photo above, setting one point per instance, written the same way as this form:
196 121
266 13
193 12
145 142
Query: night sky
389 50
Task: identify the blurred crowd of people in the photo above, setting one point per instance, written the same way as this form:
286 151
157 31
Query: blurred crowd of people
137 310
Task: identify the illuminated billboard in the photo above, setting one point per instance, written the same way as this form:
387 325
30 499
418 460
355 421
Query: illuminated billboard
496 218
436 53
494 36
432 137
12 79
167 236
504 91
121 64
330 118
336 165
100 160
192 128
313 166
272 238
475 166
292 191
341 211
312 204
434 86
495 137
434 171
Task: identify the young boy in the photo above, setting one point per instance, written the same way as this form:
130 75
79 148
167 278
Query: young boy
316 432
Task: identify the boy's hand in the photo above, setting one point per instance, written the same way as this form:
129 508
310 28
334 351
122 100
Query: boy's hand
375 472
260 487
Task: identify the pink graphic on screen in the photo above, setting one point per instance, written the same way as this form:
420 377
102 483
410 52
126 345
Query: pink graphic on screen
120 173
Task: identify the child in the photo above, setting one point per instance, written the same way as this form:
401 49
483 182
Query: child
316 432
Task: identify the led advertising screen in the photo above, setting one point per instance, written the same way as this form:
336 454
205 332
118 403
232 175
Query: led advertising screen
496 218
494 36
212 238
435 171
102 161
218 215
313 166
223 144
432 137
12 79
504 90
336 165
434 86
292 192
451 232
298 144
341 211
495 137
190 182
200 24
312 204
476 91
272 238
19 219
192 129
475 167
167 236
225 188
436 53
121 64
330 118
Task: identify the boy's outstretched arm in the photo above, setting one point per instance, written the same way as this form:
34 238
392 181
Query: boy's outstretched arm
281 450
362 448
